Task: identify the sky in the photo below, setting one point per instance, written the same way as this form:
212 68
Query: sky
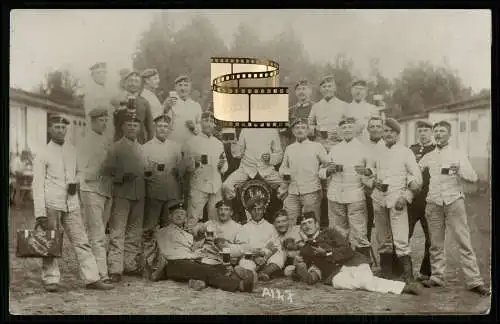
42 40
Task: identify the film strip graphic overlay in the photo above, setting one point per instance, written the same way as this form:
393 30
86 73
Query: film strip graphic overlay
246 93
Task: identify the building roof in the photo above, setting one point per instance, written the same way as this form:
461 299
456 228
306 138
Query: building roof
475 102
39 100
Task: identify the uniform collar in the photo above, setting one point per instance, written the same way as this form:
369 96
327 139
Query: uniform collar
157 141
315 236
440 147
428 144
304 104
205 135
334 98
359 103
129 141
257 223
303 142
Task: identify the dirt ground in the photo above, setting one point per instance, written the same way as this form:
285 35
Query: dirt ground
134 296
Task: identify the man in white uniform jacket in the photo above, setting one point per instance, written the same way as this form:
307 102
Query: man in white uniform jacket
361 110
56 205
206 162
98 94
260 151
260 245
184 111
95 188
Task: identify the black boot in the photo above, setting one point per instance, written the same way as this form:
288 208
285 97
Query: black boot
397 267
366 252
407 265
385 265
267 273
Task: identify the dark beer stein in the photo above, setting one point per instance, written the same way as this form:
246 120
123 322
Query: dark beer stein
204 159
445 170
160 167
148 173
339 168
287 177
72 188
324 134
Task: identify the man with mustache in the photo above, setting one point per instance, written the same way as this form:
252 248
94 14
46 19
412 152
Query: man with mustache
151 80
347 171
446 208
327 256
126 164
299 169
184 264
134 103
184 111
397 178
56 206
259 243
326 114
416 210
300 110
361 110
98 94
96 189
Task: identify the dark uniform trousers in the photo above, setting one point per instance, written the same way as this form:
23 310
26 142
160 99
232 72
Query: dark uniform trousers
342 254
416 210
126 220
212 275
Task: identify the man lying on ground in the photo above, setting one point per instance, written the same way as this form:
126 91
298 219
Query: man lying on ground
327 256
184 264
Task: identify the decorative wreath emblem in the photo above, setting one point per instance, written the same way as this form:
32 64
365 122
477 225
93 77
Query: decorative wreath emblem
255 188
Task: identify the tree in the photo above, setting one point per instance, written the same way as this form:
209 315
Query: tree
424 85
246 42
186 51
61 86
342 69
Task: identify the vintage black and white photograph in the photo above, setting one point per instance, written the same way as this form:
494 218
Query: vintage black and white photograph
131 195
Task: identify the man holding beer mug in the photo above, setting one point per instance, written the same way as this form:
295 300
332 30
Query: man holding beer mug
346 171
125 163
300 166
56 205
163 158
206 162
184 111
446 208
260 245
184 263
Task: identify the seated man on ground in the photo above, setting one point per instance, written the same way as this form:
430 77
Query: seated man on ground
218 234
184 264
327 256
289 236
259 243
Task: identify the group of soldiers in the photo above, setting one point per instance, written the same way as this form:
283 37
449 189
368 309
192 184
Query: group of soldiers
142 156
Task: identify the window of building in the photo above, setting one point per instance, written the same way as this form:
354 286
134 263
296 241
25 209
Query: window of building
463 126
473 125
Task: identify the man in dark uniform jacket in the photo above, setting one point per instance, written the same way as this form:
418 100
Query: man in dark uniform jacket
133 102
416 210
325 255
300 110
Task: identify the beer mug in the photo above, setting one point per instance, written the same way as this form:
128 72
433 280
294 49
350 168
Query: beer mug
226 256
160 167
236 150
